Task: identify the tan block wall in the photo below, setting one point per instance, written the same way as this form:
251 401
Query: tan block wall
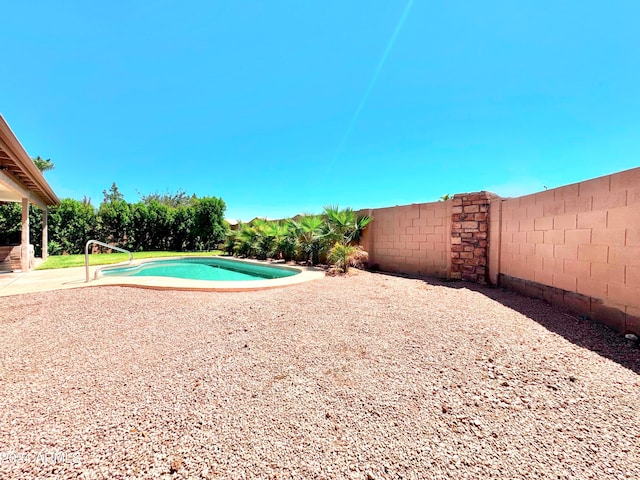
576 246
410 239
582 238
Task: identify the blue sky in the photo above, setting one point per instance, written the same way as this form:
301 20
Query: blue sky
283 107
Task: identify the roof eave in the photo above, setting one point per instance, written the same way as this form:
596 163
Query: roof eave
27 165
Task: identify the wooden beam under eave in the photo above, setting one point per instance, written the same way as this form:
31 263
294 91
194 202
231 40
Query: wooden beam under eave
20 189
10 196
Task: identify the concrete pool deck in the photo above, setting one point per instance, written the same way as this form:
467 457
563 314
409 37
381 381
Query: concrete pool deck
17 283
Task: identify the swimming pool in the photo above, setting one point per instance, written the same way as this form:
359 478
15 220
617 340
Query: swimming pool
203 268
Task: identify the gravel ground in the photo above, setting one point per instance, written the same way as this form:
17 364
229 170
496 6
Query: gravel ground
369 376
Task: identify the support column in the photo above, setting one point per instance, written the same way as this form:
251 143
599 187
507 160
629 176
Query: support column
45 233
469 236
24 242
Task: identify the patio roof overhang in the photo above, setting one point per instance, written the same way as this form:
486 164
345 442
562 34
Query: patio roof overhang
19 176
21 181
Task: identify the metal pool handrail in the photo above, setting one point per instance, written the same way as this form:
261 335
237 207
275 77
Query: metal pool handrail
86 257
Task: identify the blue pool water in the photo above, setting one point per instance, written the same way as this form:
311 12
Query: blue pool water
201 268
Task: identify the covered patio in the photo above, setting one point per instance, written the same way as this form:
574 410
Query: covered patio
22 182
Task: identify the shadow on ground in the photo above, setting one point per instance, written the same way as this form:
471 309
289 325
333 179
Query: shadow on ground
584 333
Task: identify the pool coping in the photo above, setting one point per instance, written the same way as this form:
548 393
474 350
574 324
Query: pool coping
74 277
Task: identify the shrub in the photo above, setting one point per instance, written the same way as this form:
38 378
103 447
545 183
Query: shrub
342 256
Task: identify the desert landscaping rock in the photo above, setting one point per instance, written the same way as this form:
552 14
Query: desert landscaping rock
369 376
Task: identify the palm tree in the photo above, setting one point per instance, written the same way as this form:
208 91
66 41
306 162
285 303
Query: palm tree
284 244
43 164
231 242
247 238
311 237
265 235
345 225
360 225
345 229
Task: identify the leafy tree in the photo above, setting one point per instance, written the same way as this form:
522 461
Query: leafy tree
175 200
10 223
115 222
151 226
445 197
209 226
160 226
140 227
35 229
71 225
159 222
112 195
183 235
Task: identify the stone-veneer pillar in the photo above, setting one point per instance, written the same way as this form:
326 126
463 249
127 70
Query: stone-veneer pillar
469 236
